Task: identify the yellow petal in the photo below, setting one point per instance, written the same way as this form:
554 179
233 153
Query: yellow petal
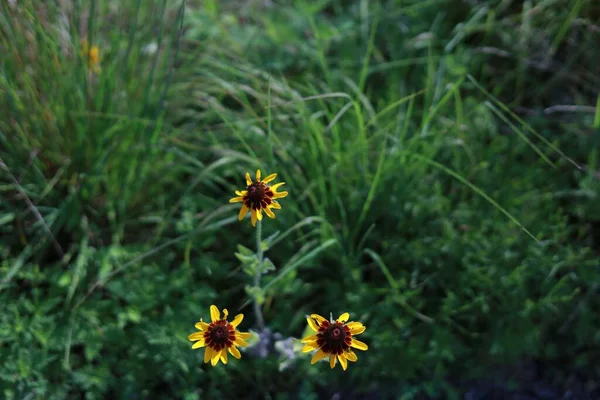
215 315
280 195
240 342
277 185
236 321
241 193
275 205
215 357
236 200
203 326
351 356
319 355
225 313
258 175
269 178
248 180
332 361
319 318
199 343
243 335
357 344
270 213
309 347
243 212
196 336
343 361
356 328
223 355
235 352
253 215
353 324
308 339
313 325
344 317
259 215
207 354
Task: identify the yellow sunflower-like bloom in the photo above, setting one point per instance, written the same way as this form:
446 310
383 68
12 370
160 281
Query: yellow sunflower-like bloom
219 337
91 54
334 339
259 197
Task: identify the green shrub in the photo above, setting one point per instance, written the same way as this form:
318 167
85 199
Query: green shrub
436 191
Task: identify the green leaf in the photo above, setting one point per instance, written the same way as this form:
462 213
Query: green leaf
246 259
41 336
64 280
105 269
244 251
134 315
252 341
256 293
6 218
267 266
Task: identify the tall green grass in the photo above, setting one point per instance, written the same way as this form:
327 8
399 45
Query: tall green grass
435 194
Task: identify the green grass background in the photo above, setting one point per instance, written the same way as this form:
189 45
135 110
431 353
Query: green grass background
442 163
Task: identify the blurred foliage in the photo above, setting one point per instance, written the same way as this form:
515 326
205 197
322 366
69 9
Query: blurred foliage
441 158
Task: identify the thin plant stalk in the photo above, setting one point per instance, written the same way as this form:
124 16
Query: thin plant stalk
259 252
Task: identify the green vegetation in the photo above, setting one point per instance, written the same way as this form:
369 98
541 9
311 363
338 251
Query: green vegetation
442 163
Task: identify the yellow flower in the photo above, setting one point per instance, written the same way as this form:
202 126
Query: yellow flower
92 54
219 337
334 339
259 197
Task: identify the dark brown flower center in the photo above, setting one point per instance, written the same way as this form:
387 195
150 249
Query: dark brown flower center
256 192
259 196
334 338
219 335
337 333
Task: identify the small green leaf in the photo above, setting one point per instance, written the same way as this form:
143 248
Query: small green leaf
246 259
256 293
184 367
307 331
6 218
105 269
41 337
92 350
267 266
64 280
250 267
134 315
252 341
244 250
24 369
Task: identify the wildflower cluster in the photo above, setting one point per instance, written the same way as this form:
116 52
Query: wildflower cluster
335 339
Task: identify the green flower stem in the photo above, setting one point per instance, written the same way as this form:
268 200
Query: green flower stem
259 252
